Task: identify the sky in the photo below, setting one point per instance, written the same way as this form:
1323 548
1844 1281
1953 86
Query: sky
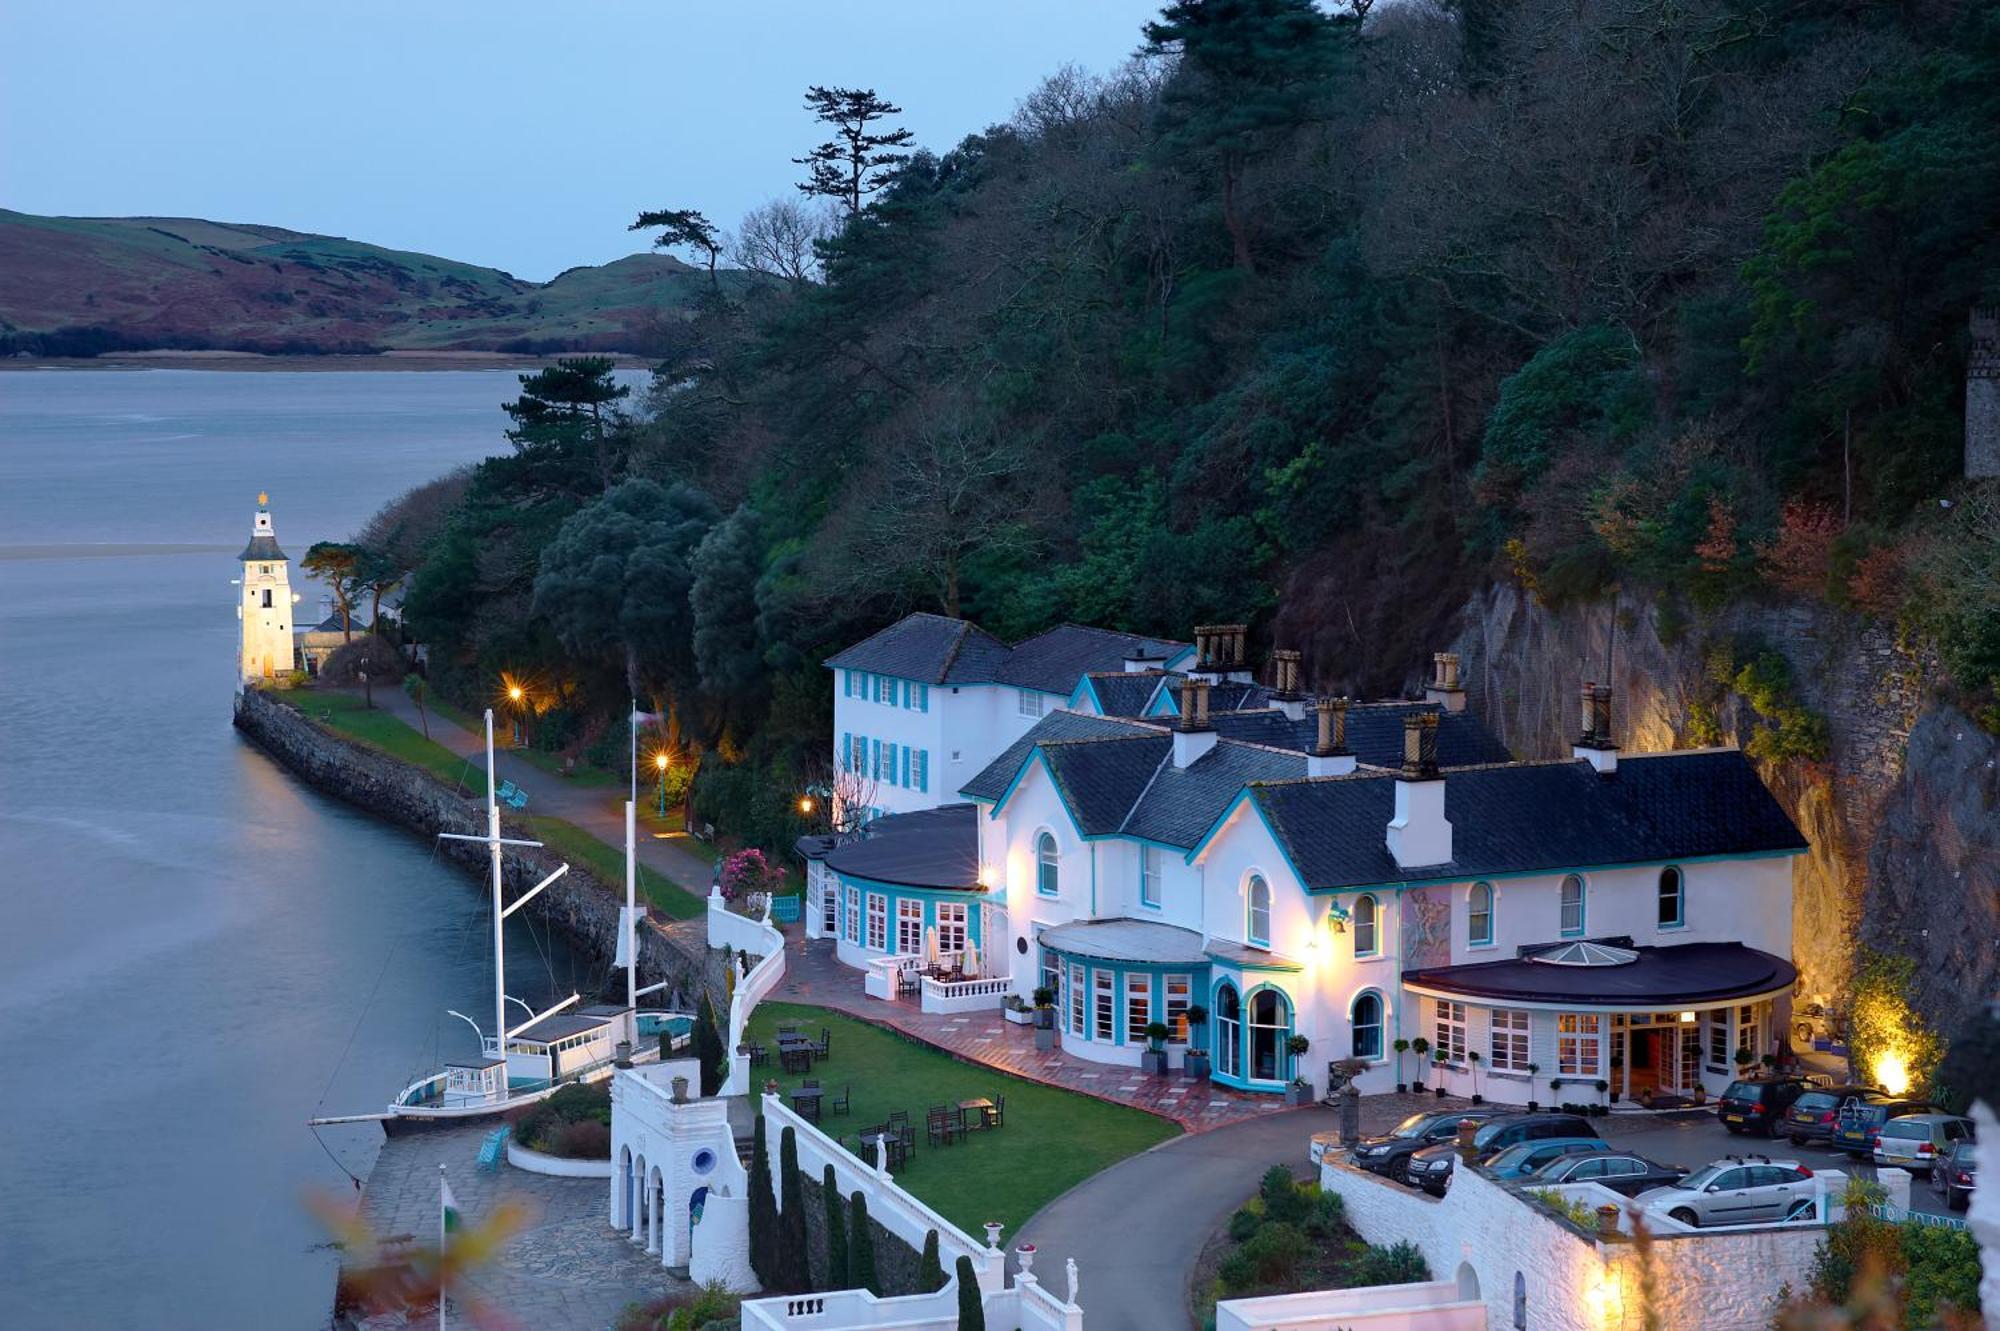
524 136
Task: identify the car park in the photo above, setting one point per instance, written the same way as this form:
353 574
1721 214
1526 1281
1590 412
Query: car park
1813 1115
1758 1106
1621 1171
1524 1158
1739 1190
1859 1122
1917 1141
1957 1174
1390 1152
1430 1168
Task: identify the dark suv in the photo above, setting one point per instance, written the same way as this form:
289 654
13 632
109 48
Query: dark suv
1430 1168
1390 1153
1859 1123
1813 1115
1759 1106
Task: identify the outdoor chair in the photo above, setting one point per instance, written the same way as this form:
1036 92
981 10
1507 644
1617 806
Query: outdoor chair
824 1043
996 1117
759 1055
898 1118
809 1084
941 1124
839 1103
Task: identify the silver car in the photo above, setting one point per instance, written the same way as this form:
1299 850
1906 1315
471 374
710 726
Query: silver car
1918 1141
1738 1191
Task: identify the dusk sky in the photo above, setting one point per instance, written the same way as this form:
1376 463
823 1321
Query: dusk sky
525 136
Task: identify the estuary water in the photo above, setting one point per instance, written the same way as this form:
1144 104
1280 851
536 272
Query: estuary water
197 953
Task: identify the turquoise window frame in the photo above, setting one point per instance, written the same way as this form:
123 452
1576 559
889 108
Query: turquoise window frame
1048 871
1582 905
1381 1054
1492 908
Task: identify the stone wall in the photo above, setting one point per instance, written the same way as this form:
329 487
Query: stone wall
896 1262
579 904
1902 815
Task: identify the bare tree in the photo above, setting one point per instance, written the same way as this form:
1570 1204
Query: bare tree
402 529
779 240
848 790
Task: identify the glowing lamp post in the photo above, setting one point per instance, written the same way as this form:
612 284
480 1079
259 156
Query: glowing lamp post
660 766
515 696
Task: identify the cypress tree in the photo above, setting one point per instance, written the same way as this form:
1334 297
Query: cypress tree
971 1308
930 1271
762 1221
836 1232
792 1257
708 1048
861 1249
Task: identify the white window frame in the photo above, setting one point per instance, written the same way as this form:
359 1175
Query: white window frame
1372 947
853 921
885 690
1138 1005
1579 1044
910 925
952 928
1381 1025
1152 874
1048 864
1508 1039
1179 990
1029 703
1079 999
1448 1029
1679 897
1716 1048
1563 925
1252 935
878 922
1103 1005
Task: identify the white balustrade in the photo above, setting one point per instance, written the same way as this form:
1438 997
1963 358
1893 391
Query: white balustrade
964 995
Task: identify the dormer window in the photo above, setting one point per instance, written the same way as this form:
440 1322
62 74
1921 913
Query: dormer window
1259 923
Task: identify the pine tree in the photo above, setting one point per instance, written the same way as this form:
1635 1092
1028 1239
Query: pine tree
836 1232
856 161
796 1267
684 228
763 1223
709 1052
930 1271
861 1249
971 1308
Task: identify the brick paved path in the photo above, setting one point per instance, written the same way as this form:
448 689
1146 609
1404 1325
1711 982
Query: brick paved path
569 1271
814 975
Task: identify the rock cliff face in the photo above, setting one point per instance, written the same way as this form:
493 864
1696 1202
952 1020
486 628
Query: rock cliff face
582 907
1901 814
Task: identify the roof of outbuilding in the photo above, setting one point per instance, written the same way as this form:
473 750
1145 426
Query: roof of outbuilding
936 848
1656 976
1535 817
937 649
563 1025
1374 733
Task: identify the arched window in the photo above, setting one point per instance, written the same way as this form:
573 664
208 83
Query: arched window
1520 1302
1479 915
1048 869
1269 1027
1673 898
1228 1031
1366 1020
1367 937
1572 904
1260 911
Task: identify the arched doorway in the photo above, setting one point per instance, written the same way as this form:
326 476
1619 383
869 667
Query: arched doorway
1468 1283
1228 1031
656 1206
1270 1026
621 1214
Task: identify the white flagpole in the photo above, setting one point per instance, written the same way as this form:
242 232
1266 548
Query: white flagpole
441 1240
631 906
632 722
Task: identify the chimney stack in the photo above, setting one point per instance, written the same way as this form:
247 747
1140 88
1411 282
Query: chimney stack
1194 736
1221 652
1285 689
1419 833
1445 689
1330 756
1594 743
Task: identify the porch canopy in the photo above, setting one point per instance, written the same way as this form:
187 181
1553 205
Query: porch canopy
1136 942
1614 975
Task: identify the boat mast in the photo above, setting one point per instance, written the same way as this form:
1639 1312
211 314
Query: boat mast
499 915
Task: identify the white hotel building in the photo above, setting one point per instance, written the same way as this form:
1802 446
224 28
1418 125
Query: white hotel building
1143 833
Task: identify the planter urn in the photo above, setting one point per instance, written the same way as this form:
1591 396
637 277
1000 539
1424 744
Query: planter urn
1045 1037
1298 1093
1154 1062
1607 1220
1195 1065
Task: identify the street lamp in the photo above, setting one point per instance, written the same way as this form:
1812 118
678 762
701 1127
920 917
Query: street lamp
660 765
516 695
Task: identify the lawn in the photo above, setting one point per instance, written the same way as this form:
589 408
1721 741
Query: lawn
552 763
1053 1140
608 863
381 729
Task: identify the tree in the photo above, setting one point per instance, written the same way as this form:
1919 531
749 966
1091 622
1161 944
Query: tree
722 597
836 1231
781 240
402 530
857 161
765 1258
861 1248
1249 70
930 1271
792 1242
708 1050
684 228
971 1307
564 442
338 565
419 691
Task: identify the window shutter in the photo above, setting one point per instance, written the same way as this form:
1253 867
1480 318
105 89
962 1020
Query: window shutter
924 770
905 782
847 749
875 767
847 683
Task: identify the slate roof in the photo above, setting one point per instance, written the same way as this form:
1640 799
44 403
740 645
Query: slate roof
1122 939
1374 733
937 649
1536 817
1126 693
1185 801
262 546
1658 976
929 848
993 780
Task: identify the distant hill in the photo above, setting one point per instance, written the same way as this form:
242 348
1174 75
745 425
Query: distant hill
89 285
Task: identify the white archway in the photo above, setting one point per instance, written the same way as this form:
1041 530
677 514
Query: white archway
637 1208
622 1183
656 1199
1468 1283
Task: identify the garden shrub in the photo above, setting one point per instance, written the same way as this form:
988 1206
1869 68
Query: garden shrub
1398 1264
1284 1200
1271 1257
576 1103
710 1308
585 1139
1244 1223
574 1123
1328 1217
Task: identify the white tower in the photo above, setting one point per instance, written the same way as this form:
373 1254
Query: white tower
265 609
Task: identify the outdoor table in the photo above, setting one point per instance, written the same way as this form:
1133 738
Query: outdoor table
982 1106
806 1101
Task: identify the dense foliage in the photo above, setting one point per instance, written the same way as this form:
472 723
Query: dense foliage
1317 319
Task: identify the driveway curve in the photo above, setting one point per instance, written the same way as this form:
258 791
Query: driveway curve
1136 1229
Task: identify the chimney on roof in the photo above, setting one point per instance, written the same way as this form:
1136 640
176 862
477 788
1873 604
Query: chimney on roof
1419 833
1445 689
1194 736
1330 756
1221 652
1594 743
1285 691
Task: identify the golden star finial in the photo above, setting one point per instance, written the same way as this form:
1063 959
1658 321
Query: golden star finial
263 500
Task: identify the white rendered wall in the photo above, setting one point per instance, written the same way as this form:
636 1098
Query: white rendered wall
265 635
905 726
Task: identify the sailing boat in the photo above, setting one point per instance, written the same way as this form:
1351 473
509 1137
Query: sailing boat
559 1046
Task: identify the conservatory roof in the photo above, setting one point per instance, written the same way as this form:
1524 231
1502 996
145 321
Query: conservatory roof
1686 974
1141 941
936 848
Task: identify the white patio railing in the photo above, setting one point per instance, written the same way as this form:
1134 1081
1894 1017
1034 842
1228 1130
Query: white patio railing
964 995
761 938
884 973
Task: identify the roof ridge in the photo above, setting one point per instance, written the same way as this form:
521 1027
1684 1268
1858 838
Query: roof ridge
1145 790
951 655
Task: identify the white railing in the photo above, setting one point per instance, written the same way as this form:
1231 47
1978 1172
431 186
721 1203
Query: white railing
741 933
1433 1305
964 995
855 1310
884 974
769 944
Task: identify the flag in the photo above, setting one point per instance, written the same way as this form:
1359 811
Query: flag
644 718
448 1205
628 922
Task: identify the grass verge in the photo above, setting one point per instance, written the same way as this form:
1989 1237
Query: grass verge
608 863
381 729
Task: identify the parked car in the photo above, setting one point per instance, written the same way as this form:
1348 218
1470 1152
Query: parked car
1524 1158
1759 1106
1741 1190
1620 1171
1811 1117
1859 1122
1957 1174
1430 1168
1390 1153
1917 1141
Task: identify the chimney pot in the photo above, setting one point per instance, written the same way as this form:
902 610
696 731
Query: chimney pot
1595 745
1589 731
1420 746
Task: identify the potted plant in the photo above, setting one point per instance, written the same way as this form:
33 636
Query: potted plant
1555 1092
1018 1011
1045 1018
1604 1108
1154 1060
1438 1057
1420 1047
1770 1062
1533 1105
1401 1047
1743 1058
1472 1058
1300 1090
1195 1063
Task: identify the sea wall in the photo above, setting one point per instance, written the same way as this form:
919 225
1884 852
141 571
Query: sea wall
1903 813
579 904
